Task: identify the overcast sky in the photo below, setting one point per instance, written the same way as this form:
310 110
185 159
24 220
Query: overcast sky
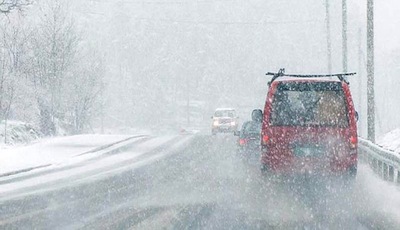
224 47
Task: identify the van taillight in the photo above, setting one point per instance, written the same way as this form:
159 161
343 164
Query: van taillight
353 142
265 139
242 141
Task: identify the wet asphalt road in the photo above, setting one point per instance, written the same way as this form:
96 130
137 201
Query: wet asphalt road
203 184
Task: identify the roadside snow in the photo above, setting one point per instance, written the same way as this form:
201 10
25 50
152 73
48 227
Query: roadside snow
51 151
382 195
95 170
391 141
18 132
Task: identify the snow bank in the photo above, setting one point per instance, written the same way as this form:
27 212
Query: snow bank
391 141
51 151
17 133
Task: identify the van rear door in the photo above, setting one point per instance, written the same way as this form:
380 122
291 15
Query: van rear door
306 119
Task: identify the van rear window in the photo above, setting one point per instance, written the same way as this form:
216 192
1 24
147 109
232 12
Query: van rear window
309 104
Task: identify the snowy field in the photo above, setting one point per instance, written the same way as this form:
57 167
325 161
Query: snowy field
52 151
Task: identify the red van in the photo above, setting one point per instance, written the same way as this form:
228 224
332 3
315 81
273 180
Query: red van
309 126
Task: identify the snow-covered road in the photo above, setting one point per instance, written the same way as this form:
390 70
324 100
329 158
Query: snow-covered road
189 182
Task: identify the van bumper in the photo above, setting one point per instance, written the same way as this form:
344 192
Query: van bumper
291 165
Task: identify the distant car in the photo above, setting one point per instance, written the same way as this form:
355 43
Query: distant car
249 138
309 126
224 120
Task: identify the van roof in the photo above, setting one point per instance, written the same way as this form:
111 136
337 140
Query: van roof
281 75
307 79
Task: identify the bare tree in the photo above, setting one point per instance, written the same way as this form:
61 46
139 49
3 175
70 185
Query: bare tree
3 82
6 6
86 86
12 60
55 46
7 109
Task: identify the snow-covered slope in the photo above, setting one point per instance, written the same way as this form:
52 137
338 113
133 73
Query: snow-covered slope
17 133
51 151
391 140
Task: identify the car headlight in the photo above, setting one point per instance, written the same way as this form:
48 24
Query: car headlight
215 123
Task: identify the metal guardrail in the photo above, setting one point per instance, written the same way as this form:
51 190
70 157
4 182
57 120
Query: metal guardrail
384 162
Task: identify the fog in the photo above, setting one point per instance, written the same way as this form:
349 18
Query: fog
169 64
217 52
149 74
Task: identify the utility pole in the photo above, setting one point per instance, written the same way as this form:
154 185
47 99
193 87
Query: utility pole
344 35
370 71
328 37
360 80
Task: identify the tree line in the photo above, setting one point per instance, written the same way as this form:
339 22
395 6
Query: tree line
49 76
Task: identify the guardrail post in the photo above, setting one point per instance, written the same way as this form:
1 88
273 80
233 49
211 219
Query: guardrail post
398 177
391 173
370 161
381 161
385 172
375 165
380 169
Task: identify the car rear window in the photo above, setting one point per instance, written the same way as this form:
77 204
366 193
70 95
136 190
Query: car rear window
224 113
309 104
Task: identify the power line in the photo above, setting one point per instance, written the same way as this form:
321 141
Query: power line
176 2
226 22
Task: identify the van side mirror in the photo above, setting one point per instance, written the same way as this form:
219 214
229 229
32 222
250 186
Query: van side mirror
357 117
257 115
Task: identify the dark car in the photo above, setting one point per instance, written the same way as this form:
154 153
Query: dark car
249 137
309 126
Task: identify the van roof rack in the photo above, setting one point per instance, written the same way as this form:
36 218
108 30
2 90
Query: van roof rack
281 73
